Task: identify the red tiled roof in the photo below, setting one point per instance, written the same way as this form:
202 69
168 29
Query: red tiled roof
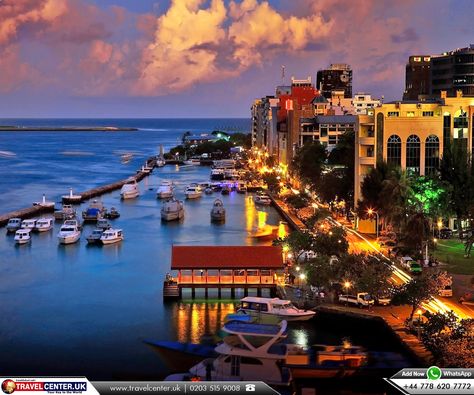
226 257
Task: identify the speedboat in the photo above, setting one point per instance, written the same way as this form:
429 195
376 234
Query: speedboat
218 211
44 224
95 211
193 191
13 224
112 214
66 212
28 224
165 190
23 236
111 236
69 232
241 187
262 199
283 309
217 174
130 189
103 224
172 210
94 237
225 190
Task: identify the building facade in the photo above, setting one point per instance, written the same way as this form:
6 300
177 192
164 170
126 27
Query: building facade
363 103
264 124
326 129
417 77
337 77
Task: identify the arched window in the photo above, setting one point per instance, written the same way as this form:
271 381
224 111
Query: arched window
431 155
413 154
394 150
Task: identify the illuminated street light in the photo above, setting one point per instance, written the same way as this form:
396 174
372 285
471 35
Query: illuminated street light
347 285
297 268
370 212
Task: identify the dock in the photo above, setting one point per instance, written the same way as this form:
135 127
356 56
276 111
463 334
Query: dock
283 210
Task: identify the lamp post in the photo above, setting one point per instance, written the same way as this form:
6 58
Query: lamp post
347 285
302 278
419 313
370 212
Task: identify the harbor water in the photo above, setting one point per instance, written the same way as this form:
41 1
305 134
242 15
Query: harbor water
85 310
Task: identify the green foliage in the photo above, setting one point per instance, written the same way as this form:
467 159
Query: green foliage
272 182
319 271
332 242
308 163
241 140
320 214
297 242
297 201
430 196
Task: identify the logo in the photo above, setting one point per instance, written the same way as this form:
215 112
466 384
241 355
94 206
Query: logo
8 386
433 373
249 387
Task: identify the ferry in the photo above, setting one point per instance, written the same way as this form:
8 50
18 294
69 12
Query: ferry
111 236
23 236
13 225
69 232
130 189
44 224
283 309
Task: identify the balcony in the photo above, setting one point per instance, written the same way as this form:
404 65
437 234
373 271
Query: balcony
367 160
367 140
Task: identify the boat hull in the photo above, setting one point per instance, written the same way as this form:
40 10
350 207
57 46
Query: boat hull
69 239
111 241
172 216
129 195
22 241
45 229
217 217
164 195
306 316
193 195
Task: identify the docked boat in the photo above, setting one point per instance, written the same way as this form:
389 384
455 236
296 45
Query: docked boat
112 213
231 174
44 224
283 309
172 210
218 211
69 232
111 236
192 162
66 212
217 174
23 236
193 191
265 232
13 225
225 190
241 187
262 199
94 237
160 162
28 224
94 212
216 186
103 223
130 189
165 190
208 191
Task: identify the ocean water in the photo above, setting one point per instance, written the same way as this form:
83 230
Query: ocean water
85 310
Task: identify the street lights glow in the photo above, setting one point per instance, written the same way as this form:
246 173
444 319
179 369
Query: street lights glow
370 212
297 268
302 276
347 285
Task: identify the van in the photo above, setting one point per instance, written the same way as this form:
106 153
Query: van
361 299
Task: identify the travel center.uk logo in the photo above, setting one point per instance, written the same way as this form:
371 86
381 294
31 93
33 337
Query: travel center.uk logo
55 385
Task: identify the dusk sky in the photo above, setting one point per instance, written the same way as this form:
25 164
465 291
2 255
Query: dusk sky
198 58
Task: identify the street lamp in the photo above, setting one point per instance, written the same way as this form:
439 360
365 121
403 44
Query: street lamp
370 212
347 285
302 277
419 313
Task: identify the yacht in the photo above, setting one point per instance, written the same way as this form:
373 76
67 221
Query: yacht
111 236
69 232
165 190
44 224
264 200
218 211
193 191
13 224
172 210
130 189
283 309
231 174
112 214
94 212
23 236
241 187
28 224
103 224
94 237
66 212
217 174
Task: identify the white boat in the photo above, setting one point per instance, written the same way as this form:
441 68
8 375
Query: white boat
94 237
44 224
160 162
23 236
241 187
28 224
66 212
165 190
111 236
192 162
103 224
264 200
193 191
172 210
69 232
283 309
13 224
130 189
94 212
217 174
218 211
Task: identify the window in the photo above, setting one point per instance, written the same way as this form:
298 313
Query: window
393 114
332 140
428 113
380 136
410 114
460 124
431 155
394 150
413 154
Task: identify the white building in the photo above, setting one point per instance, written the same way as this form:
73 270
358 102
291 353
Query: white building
363 102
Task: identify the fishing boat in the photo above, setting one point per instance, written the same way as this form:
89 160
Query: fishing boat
22 236
94 212
111 236
13 225
112 214
193 191
262 199
28 224
94 237
44 224
172 210
69 232
283 309
241 187
130 189
165 190
225 190
103 223
66 212
218 211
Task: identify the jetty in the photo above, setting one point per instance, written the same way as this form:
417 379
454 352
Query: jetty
65 129
283 210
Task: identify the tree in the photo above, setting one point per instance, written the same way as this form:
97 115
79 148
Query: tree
308 163
332 242
371 187
298 242
319 271
373 276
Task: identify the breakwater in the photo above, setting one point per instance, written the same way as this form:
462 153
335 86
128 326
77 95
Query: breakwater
66 129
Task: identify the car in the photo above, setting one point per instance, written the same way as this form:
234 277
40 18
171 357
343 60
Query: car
360 300
447 291
383 300
405 261
445 233
415 267
306 256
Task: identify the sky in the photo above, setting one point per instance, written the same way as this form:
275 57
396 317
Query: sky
206 58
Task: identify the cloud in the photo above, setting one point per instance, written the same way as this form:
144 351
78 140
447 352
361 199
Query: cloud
13 72
407 35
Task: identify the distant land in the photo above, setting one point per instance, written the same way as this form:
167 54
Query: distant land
66 129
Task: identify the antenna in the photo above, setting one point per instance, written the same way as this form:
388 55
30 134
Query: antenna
283 74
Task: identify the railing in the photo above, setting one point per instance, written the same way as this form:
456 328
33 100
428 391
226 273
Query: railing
225 279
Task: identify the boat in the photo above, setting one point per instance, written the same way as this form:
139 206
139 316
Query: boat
111 236
71 198
28 224
192 162
44 224
217 174
165 190
216 186
66 212
103 223
94 212
193 191
130 189
208 191
224 164
265 232
262 199
13 225
160 162
69 232
241 187
218 211
225 190
231 174
112 214
94 237
283 309
23 236
172 210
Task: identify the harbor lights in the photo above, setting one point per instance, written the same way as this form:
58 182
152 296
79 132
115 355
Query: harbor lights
302 277
419 313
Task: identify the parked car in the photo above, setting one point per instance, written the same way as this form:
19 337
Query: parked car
445 233
383 300
306 256
405 261
415 268
447 291
360 300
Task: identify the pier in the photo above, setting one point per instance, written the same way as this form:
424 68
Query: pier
283 210
223 267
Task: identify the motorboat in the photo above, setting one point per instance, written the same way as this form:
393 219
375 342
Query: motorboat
111 236
130 189
216 186
172 210
112 213
208 191
94 212
231 174
218 211
44 224
23 236
126 158
13 225
94 237
160 162
283 309
192 162
193 191
103 223
66 212
262 199
225 190
241 187
217 174
165 190
69 232
28 224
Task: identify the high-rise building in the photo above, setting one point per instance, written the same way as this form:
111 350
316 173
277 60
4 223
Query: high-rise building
417 77
337 77
264 124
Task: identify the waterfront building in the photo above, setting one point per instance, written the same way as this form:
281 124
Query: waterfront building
337 77
417 77
196 139
325 128
363 103
264 124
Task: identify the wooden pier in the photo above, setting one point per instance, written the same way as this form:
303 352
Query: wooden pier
223 267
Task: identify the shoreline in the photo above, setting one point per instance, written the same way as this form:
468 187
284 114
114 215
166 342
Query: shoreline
66 129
